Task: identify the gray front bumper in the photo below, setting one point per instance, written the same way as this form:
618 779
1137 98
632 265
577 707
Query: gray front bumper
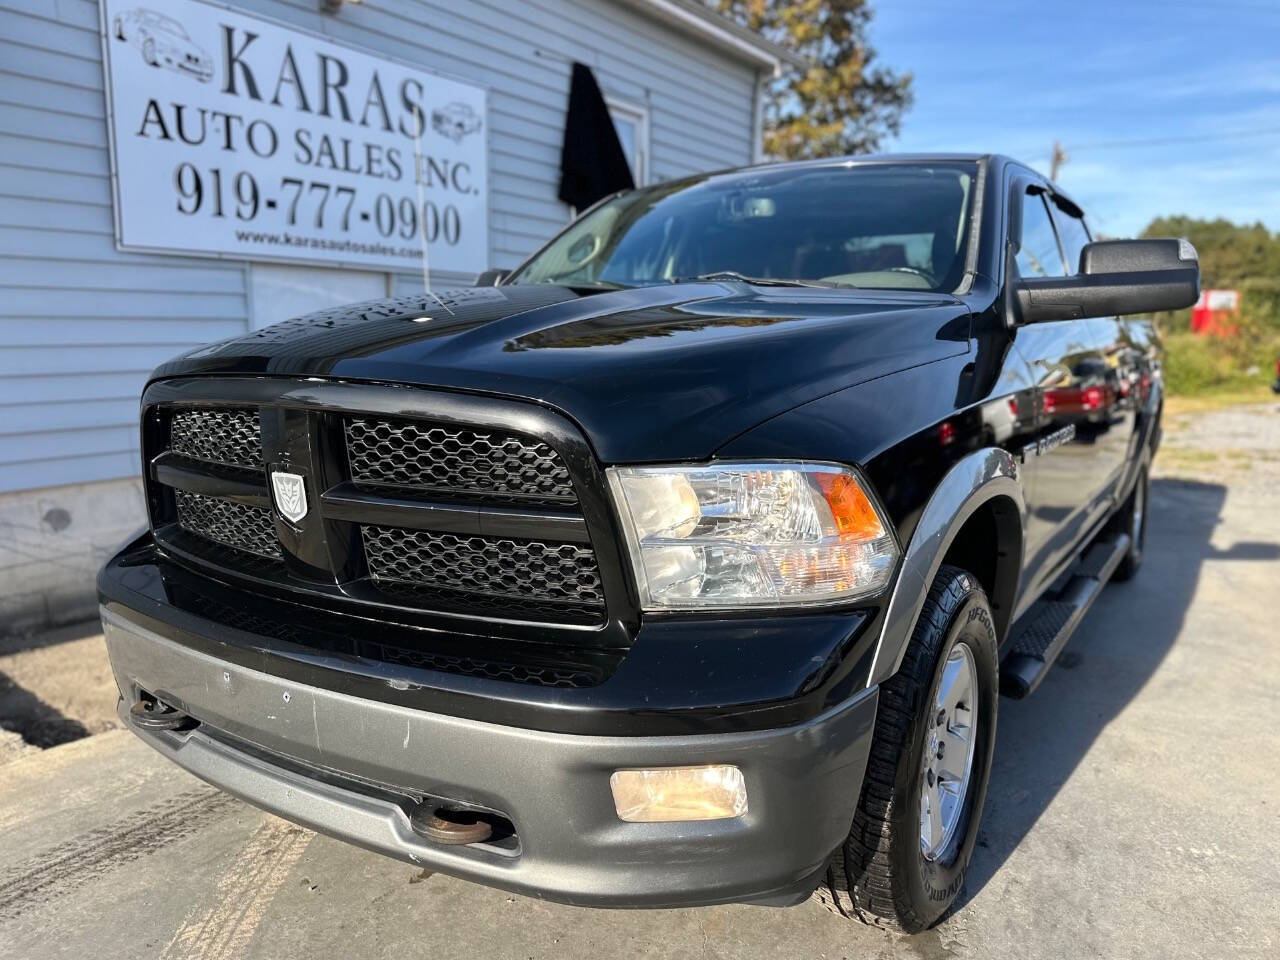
802 782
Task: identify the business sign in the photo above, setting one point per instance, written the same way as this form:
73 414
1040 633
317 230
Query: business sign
242 137
1216 300
1212 312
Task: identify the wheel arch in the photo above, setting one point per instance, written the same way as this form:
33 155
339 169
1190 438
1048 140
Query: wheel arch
975 517
989 545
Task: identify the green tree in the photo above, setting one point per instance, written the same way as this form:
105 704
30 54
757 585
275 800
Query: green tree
838 102
1230 254
1244 258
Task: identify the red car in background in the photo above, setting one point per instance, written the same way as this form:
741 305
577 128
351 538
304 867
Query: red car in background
1089 396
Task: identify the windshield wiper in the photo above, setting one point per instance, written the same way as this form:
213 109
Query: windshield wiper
583 284
758 281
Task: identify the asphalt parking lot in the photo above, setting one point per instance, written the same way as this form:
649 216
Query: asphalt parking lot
1131 814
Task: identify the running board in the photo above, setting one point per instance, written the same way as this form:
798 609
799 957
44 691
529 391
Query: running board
1042 632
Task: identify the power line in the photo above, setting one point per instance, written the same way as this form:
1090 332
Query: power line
1060 156
1216 5
1165 141
1155 9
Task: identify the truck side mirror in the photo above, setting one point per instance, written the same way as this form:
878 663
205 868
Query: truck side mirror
1116 277
491 278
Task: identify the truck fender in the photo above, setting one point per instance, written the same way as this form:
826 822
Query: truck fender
974 480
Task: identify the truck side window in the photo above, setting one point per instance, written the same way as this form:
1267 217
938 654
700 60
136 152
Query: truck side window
1073 234
1038 256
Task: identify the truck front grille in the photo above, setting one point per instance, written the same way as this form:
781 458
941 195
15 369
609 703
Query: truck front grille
451 460
525 569
230 438
236 525
405 515
562 676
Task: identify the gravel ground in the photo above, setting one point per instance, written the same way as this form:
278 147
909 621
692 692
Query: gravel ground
1239 445
1129 813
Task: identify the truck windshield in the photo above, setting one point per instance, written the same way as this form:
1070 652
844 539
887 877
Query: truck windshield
880 225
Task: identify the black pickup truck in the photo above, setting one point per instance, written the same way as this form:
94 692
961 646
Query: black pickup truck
684 564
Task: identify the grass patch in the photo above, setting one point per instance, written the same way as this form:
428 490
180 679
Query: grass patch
1188 461
1224 370
1176 404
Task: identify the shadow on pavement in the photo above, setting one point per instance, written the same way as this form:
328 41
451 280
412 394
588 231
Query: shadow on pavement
39 724
1131 628
21 642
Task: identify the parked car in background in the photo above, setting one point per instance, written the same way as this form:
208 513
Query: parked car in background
683 566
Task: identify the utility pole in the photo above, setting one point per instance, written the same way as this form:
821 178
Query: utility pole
1060 157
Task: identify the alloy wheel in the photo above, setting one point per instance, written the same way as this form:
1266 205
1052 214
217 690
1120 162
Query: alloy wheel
948 754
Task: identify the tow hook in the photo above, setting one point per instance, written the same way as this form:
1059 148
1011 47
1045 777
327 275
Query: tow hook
151 714
453 827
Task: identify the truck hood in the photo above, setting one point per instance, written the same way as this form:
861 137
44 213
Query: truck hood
669 372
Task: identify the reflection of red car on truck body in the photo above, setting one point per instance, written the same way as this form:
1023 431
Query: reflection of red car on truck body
164 42
1090 395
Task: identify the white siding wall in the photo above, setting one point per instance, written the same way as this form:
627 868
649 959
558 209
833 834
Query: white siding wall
81 324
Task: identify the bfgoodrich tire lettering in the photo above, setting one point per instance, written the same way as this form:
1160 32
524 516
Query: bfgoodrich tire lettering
880 875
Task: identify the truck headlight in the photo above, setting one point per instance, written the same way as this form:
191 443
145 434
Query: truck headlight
730 535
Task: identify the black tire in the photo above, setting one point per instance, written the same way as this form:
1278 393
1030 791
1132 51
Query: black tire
879 875
1132 519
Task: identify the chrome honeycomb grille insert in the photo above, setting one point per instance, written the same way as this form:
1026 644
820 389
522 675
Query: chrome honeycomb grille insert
483 566
229 438
452 460
237 525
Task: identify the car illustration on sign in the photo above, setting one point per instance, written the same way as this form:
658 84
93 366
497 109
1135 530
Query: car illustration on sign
455 121
163 42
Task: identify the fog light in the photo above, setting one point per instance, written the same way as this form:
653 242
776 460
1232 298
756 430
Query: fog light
715 792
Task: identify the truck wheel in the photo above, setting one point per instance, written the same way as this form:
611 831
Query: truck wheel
1132 519
916 822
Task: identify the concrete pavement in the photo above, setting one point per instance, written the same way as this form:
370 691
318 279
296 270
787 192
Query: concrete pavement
1131 814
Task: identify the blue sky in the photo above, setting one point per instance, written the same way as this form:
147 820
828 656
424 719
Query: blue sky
1011 76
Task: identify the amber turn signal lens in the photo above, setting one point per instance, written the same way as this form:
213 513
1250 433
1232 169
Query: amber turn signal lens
853 513
667 794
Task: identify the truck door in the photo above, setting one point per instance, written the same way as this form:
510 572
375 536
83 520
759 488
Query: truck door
1116 382
1067 469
